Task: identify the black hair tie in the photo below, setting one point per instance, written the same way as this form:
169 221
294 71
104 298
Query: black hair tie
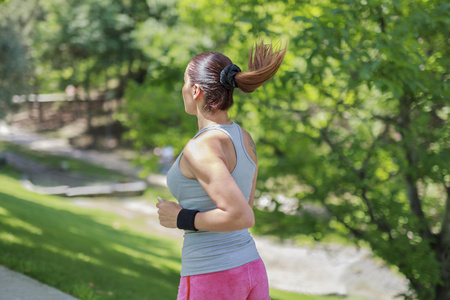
227 76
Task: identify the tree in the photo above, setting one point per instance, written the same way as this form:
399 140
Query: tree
154 110
356 119
362 105
90 44
12 68
379 75
15 62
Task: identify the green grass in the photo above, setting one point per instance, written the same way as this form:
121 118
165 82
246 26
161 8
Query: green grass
82 252
89 253
79 251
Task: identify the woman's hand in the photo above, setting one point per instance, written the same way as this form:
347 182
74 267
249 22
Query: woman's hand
168 212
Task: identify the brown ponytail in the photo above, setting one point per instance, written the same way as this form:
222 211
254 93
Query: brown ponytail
205 70
263 63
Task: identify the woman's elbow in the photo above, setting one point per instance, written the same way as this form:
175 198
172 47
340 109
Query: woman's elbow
246 219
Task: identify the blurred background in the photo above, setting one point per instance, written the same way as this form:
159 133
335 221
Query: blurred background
352 136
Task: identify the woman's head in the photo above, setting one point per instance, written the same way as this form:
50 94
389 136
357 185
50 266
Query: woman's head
205 70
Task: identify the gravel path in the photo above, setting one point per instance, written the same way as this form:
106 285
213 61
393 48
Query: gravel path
321 269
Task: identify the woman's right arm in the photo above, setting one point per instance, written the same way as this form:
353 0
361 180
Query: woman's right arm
207 162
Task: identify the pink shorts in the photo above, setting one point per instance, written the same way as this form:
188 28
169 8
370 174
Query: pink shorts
247 282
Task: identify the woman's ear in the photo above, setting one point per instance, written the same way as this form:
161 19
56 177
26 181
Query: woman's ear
197 91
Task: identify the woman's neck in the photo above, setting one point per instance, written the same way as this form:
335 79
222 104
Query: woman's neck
211 118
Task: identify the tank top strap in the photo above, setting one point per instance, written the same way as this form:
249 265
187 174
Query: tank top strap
214 127
231 130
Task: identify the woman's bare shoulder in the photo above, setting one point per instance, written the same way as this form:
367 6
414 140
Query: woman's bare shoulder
209 143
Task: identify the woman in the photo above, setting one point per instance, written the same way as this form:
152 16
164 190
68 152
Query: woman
214 181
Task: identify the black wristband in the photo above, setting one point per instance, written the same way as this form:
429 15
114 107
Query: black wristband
185 219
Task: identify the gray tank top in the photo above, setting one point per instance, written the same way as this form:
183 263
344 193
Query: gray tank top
208 251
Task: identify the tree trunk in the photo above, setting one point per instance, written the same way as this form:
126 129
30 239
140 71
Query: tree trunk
89 114
443 290
443 253
410 148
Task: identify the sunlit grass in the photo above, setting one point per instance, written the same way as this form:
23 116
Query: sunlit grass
79 251
89 253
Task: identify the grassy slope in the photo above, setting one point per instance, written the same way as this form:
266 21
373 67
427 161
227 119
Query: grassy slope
83 251
79 251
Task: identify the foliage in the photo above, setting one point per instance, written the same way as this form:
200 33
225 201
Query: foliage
357 114
362 102
89 44
13 55
12 68
156 118
154 111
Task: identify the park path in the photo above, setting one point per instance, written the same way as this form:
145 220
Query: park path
318 269
16 286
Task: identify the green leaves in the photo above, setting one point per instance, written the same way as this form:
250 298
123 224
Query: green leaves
13 60
157 118
357 115
350 115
